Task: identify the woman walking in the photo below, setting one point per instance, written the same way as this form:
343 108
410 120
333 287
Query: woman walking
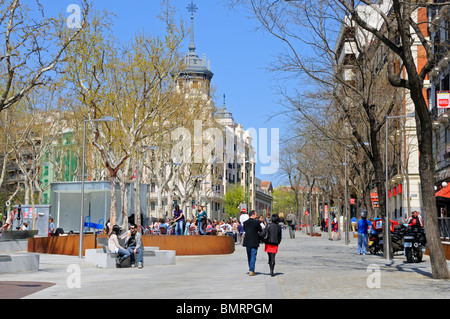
273 239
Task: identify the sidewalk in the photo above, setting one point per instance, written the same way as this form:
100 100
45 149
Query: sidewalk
305 268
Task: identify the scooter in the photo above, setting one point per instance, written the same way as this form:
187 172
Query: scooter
375 244
414 242
376 239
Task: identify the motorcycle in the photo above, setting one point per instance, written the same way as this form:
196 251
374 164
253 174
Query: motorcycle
376 239
397 238
414 242
375 244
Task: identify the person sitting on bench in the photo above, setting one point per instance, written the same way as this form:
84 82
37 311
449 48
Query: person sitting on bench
114 247
134 245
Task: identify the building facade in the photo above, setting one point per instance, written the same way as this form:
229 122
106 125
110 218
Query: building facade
403 185
236 166
438 97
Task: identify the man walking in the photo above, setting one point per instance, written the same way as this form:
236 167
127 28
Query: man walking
292 222
252 228
363 234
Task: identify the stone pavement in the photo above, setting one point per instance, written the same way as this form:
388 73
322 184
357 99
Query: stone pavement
305 268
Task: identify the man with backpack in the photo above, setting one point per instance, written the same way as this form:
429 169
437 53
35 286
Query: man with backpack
292 222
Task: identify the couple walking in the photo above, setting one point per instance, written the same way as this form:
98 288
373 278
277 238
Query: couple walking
253 234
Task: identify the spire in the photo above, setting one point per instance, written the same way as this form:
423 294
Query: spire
192 8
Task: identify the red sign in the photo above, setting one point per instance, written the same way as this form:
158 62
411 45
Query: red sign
244 210
306 213
443 99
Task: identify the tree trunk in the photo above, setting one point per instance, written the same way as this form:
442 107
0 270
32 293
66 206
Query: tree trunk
439 266
124 203
113 209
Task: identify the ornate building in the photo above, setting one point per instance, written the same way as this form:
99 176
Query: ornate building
237 166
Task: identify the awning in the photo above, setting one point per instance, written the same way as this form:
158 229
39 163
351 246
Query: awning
443 193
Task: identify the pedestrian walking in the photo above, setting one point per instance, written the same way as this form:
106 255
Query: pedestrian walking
292 222
273 240
252 229
243 217
334 227
363 234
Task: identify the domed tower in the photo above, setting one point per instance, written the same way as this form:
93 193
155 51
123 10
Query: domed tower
195 79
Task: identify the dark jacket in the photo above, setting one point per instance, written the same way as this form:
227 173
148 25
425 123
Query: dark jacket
274 237
252 228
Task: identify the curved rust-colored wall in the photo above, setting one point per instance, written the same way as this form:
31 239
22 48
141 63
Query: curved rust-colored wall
192 245
62 245
183 245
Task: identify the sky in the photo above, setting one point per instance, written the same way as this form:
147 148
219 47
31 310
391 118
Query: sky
239 56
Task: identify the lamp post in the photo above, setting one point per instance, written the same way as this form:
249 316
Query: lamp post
386 221
103 119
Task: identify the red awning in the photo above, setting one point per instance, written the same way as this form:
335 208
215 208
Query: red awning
444 192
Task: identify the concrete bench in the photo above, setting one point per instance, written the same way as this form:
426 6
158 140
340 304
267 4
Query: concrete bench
90 255
151 256
19 263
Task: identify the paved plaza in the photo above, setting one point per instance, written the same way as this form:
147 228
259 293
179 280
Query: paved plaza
305 268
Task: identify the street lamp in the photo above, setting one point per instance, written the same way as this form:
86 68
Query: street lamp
386 222
103 119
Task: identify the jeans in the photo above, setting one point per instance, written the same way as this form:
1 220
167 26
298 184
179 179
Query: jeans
251 256
292 231
123 253
138 253
362 243
200 227
179 227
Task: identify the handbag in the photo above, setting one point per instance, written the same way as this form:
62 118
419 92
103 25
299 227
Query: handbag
264 235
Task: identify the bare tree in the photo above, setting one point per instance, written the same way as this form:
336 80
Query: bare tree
394 25
32 48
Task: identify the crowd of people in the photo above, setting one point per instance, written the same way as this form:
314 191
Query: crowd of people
178 224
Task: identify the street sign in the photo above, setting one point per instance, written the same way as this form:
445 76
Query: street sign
306 213
244 210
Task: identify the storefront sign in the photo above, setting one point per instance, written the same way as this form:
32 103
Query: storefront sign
443 99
